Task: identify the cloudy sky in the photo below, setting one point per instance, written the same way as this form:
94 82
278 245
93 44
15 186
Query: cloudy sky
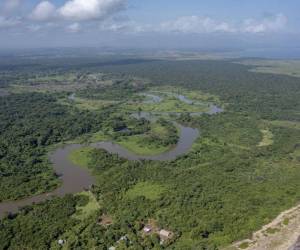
212 24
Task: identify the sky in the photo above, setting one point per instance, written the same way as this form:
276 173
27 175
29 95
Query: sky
197 24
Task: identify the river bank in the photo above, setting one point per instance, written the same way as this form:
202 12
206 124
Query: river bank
75 179
280 234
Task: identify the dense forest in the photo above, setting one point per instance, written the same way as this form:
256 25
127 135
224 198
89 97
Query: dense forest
270 96
30 123
233 180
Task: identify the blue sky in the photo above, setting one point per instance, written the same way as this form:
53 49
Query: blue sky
150 23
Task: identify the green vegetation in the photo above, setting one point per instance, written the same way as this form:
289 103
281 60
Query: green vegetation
267 139
272 97
29 125
119 90
225 188
86 206
244 245
168 105
86 104
36 227
99 136
174 101
161 136
150 191
80 156
286 124
136 144
282 67
194 95
286 221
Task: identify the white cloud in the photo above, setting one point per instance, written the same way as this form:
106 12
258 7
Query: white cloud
8 22
43 11
268 24
90 9
101 15
125 26
74 27
196 24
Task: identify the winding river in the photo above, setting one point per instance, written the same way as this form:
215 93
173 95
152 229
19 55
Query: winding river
187 138
75 179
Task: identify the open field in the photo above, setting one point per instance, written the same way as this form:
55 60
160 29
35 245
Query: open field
90 207
137 145
267 139
80 156
45 88
147 144
296 154
170 104
175 100
68 82
281 67
99 136
87 104
149 190
285 124
193 95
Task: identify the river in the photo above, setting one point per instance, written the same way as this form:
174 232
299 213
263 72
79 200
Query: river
75 179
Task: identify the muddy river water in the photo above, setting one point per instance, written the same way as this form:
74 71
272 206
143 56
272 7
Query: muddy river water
75 179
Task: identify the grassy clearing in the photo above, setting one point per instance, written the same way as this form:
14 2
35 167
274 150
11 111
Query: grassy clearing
169 104
99 136
139 145
267 139
87 104
44 88
68 77
296 154
185 241
159 129
282 67
200 96
193 95
285 124
80 156
151 191
92 206
244 245
136 144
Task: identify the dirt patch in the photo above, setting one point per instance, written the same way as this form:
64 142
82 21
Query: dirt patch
281 234
105 220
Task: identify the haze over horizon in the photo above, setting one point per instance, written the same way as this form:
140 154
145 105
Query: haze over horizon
209 25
